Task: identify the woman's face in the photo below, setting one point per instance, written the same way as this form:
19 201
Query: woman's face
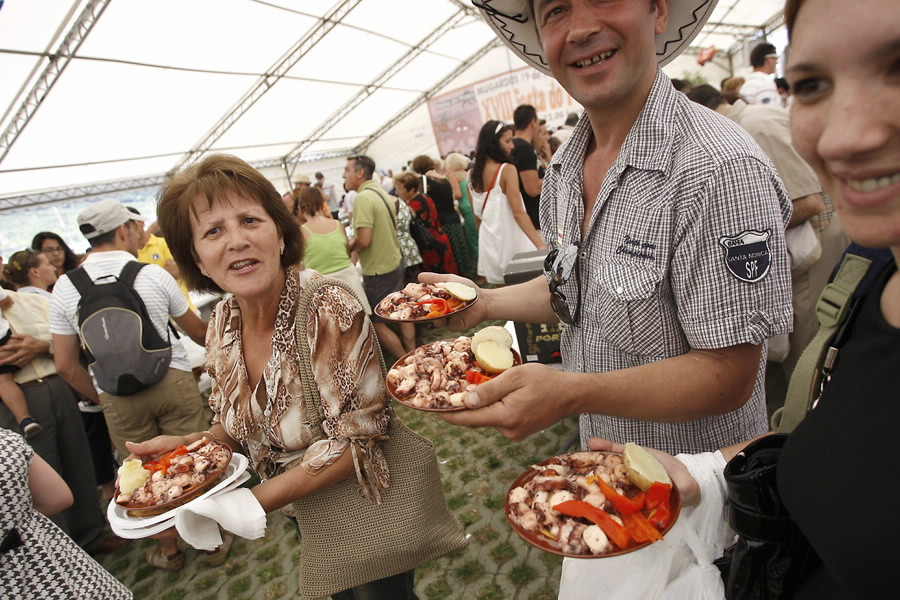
54 251
44 274
845 119
238 246
506 141
406 194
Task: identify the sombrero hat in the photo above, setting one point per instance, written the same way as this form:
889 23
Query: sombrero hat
510 20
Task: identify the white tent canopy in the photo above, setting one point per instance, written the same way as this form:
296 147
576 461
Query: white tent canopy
105 95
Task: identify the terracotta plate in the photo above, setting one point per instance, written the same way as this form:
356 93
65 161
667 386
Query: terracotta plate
464 306
191 493
392 389
539 541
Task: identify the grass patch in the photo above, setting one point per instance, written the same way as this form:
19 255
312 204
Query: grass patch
469 476
438 590
457 501
270 572
470 517
491 592
234 567
493 462
485 534
495 502
267 553
207 582
522 573
239 587
503 552
469 571
176 594
276 590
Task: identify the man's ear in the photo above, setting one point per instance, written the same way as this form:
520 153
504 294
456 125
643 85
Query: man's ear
662 15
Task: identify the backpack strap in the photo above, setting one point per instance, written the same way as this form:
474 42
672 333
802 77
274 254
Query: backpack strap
81 280
833 309
127 276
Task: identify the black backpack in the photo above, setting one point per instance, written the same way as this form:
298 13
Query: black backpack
123 347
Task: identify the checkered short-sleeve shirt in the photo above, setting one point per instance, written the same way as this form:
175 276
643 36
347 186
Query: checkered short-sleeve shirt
685 249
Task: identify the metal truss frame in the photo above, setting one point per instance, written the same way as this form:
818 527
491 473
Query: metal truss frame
375 85
268 79
58 61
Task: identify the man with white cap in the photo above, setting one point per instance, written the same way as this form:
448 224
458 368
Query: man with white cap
665 224
171 406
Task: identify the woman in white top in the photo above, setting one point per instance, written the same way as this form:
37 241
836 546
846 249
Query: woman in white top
505 228
31 272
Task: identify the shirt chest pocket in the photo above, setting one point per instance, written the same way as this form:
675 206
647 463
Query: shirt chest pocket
631 309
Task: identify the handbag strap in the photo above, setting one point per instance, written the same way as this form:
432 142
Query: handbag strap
307 378
833 309
387 206
493 182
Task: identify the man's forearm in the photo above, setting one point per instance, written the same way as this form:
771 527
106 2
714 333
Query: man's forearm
806 208
527 302
79 380
698 384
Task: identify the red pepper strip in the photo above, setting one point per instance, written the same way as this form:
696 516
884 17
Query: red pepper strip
579 508
442 307
640 528
623 504
658 498
162 463
476 377
454 303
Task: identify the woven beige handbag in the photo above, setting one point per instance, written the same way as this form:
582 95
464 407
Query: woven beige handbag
348 540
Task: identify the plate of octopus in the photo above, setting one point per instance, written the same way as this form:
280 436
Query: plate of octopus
585 505
157 486
419 302
435 376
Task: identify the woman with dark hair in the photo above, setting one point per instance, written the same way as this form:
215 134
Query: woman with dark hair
444 193
297 378
408 188
61 256
844 56
505 229
327 248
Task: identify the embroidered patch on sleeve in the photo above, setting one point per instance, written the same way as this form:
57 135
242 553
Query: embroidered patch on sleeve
747 254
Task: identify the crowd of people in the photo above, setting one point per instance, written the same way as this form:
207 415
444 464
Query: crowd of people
689 232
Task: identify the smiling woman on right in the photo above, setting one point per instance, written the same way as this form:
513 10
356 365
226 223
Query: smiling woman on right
844 68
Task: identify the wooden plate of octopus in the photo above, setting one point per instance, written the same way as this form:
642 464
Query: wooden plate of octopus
434 377
583 505
173 479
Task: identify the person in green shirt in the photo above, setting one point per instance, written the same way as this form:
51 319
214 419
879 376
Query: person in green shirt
375 242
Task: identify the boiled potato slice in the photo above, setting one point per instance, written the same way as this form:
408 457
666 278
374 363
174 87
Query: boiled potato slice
493 357
132 475
643 468
460 291
494 333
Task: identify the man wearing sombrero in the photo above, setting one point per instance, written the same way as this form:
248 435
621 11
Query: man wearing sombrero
665 225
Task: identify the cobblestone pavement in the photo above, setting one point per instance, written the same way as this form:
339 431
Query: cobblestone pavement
477 467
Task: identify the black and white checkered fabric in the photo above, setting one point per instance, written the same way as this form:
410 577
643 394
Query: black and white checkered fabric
47 565
654 278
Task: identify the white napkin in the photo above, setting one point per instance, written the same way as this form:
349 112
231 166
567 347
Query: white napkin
238 511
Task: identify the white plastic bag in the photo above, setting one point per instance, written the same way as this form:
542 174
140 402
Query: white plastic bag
676 568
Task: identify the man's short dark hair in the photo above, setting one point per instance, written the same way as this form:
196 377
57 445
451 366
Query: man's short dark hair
365 163
319 175
523 116
758 55
109 237
707 95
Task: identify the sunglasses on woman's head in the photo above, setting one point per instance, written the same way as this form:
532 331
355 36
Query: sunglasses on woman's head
560 265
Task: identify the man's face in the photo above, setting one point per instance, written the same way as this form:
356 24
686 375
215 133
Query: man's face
769 67
135 236
353 176
602 53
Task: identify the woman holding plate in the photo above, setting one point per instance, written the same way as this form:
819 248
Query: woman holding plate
298 384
